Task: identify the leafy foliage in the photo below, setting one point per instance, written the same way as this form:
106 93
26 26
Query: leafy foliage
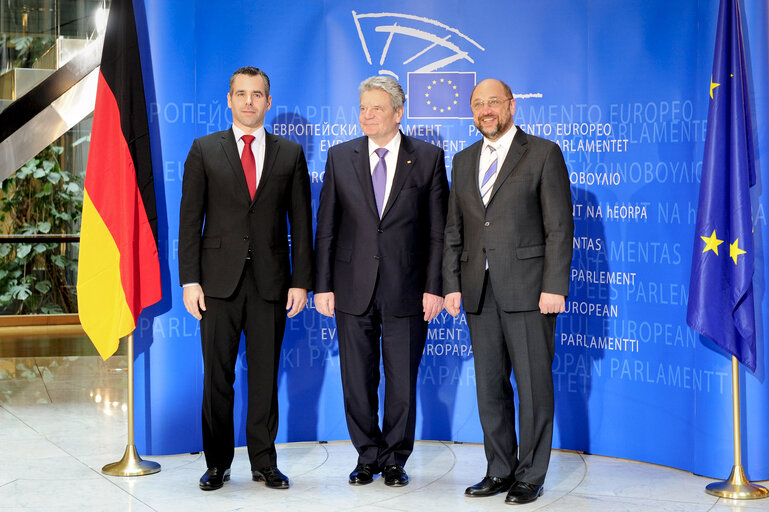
40 198
29 49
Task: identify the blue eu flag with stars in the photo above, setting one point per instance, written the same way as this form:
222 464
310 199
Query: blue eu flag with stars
443 95
721 290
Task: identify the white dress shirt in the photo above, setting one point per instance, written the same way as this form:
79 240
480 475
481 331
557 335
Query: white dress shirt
502 147
257 147
391 160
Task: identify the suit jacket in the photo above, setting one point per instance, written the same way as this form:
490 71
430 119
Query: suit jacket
525 232
404 248
219 223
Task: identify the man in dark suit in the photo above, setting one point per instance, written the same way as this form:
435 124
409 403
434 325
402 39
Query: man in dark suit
507 255
240 188
378 251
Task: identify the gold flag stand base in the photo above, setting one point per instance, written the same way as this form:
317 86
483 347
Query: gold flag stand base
737 487
131 465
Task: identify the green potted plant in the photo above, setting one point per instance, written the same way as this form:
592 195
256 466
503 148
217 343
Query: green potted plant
41 198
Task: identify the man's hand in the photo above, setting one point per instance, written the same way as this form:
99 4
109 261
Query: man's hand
324 303
297 299
431 305
194 300
551 303
453 302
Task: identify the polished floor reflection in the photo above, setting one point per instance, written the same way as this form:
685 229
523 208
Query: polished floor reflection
63 417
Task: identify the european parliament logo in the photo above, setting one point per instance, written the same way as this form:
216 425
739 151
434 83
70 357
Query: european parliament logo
440 95
407 40
427 46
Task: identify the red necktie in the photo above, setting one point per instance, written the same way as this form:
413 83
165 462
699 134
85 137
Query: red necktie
249 164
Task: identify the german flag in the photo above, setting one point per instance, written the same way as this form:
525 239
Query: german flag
118 271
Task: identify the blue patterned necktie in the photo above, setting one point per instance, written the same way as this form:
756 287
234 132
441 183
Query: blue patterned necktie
487 183
379 179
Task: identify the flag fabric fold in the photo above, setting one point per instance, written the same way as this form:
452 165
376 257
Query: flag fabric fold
118 269
721 304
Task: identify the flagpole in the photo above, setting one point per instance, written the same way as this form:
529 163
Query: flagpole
131 464
737 486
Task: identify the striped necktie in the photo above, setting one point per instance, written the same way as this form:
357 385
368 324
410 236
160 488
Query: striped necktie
487 183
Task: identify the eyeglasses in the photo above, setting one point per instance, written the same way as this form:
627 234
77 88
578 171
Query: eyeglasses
492 103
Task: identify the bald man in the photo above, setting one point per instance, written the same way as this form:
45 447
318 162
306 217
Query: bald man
507 254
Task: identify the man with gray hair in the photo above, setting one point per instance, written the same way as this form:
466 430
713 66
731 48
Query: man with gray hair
379 245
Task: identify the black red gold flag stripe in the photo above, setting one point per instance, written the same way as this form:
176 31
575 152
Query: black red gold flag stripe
118 270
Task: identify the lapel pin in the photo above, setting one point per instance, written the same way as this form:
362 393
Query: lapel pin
408 162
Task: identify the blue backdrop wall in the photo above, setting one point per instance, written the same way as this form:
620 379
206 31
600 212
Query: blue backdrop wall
622 87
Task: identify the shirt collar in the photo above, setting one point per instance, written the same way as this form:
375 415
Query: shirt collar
391 146
504 141
258 133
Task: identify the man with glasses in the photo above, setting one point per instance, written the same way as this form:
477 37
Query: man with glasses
507 254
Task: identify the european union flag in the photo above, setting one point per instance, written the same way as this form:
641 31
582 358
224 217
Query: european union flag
721 294
440 95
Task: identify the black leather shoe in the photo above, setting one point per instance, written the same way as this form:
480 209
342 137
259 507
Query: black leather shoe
271 476
363 474
395 476
489 486
521 492
214 478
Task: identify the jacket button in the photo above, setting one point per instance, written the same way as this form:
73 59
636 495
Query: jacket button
487 223
376 257
245 237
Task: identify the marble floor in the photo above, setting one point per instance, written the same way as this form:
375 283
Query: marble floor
62 418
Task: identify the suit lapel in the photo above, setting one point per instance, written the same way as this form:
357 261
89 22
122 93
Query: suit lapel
475 157
230 148
362 167
515 153
403 167
271 148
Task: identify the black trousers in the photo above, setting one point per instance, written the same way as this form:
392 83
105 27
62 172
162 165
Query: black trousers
222 324
402 344
525 342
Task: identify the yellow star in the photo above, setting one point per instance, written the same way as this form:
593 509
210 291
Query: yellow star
455 102
713 85
435 108
428 102
454 87
429 87
441 80
456 95
448 108
427 95
434 82
441 110
711 243
450 82
735 251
